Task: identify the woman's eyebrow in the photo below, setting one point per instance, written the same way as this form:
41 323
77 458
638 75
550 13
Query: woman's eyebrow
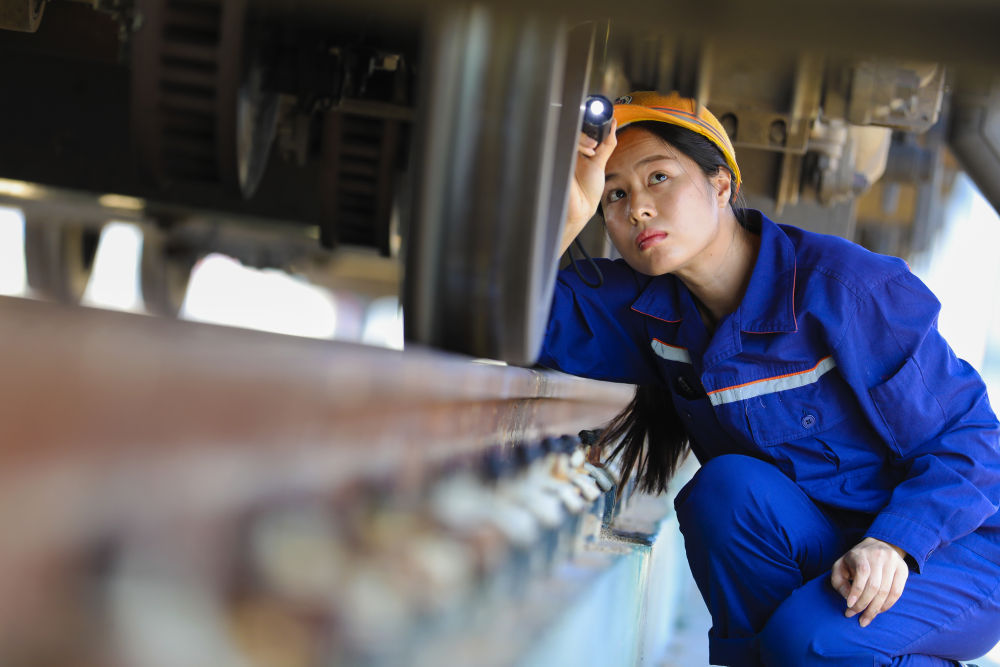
645 160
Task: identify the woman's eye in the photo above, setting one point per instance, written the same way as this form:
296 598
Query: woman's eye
658 177
615 195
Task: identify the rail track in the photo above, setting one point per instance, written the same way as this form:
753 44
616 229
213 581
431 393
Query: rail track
134 445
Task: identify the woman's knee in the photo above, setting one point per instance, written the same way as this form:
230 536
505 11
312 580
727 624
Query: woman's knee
809 628
720 491
783 641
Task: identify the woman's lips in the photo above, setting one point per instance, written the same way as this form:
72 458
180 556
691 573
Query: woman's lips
648 239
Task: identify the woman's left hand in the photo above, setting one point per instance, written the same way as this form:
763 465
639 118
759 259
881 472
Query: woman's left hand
871 577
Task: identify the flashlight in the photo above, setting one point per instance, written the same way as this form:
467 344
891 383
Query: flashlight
597 114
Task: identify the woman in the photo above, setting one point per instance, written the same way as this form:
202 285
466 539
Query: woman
845 512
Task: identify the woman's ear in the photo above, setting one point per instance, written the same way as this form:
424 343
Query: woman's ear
722 183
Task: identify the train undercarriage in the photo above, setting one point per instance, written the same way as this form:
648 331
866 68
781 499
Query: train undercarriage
164 481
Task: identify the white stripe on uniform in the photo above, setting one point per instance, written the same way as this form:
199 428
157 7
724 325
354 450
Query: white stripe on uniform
772 385
671 352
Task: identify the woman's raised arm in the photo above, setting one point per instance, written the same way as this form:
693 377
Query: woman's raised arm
588 184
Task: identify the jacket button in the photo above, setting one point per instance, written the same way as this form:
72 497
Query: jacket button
808 420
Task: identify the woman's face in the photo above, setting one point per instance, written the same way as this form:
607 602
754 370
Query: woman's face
663 213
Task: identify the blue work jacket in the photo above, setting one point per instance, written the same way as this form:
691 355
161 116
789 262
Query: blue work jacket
831 368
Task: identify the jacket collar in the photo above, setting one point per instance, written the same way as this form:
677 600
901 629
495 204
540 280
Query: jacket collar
769 303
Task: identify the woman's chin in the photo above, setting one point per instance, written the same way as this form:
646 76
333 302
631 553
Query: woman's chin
651 268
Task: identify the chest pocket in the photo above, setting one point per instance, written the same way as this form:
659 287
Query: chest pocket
796 406
815 434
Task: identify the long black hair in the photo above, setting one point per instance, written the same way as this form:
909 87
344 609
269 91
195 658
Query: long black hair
648 434
650 439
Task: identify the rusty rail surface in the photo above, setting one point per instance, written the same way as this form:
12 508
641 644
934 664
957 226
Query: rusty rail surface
111 419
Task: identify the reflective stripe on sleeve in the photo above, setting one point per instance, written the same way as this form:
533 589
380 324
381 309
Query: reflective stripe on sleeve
772 385
671 352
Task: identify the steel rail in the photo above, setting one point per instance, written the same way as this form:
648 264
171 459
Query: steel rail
110 420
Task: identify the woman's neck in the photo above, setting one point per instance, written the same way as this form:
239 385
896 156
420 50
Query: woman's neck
719 285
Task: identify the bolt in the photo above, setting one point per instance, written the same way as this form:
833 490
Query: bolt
860 183
778 133
569 443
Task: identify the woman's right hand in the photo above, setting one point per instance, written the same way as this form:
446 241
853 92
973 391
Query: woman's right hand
588 183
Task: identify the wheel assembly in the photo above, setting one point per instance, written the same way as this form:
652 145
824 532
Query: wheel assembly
164 273
21 15
500 120
199 112
59 257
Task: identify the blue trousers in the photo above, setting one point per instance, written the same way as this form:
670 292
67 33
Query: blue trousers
761 551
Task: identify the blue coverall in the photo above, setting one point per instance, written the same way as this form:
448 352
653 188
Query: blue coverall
825 409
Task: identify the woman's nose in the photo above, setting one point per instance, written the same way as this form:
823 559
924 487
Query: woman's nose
642 208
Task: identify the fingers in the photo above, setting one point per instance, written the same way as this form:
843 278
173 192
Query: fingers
888 593
894 589
588 182
871 577
607 146
875 594
840 578
862 571
589 147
